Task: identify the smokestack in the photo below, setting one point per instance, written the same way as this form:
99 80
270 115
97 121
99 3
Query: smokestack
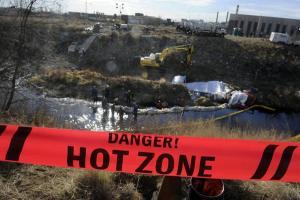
237 9
227 17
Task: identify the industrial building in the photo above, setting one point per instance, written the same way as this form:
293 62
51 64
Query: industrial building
9 11
260 26
140 18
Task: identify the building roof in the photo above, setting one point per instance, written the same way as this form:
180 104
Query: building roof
275 18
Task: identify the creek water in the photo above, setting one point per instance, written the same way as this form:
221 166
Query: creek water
84 114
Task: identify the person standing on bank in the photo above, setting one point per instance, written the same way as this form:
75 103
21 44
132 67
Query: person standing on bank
107 92
135 111
129 97
94 94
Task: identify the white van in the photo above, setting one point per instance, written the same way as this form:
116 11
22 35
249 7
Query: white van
280 38
124 27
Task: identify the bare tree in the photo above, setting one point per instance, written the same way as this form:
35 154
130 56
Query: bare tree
19 42
25 9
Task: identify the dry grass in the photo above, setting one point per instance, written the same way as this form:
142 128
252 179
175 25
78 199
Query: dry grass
37 182
261 190
295 139
57 21
253 42
213 130
95 185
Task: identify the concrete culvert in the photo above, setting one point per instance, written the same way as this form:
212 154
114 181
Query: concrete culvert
206 189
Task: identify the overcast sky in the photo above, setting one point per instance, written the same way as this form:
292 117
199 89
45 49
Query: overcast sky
191 9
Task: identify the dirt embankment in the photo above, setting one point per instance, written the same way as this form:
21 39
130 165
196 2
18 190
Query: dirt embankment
243 62
117 53
44 36
247 62
78 84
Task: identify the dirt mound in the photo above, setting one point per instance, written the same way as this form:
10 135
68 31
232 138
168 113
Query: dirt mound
78 84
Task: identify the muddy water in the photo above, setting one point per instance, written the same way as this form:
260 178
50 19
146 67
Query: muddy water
253 120
89 115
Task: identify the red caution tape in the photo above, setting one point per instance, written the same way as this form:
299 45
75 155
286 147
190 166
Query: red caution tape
152 154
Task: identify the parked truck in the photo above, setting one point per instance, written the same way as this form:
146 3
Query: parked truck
201 28
283 38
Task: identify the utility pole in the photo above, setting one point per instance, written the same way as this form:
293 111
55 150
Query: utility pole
217 19
86 12
227 17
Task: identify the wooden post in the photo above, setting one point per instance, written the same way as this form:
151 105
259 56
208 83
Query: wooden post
170 189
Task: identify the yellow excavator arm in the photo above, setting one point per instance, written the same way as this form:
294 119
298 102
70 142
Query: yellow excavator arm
155 60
